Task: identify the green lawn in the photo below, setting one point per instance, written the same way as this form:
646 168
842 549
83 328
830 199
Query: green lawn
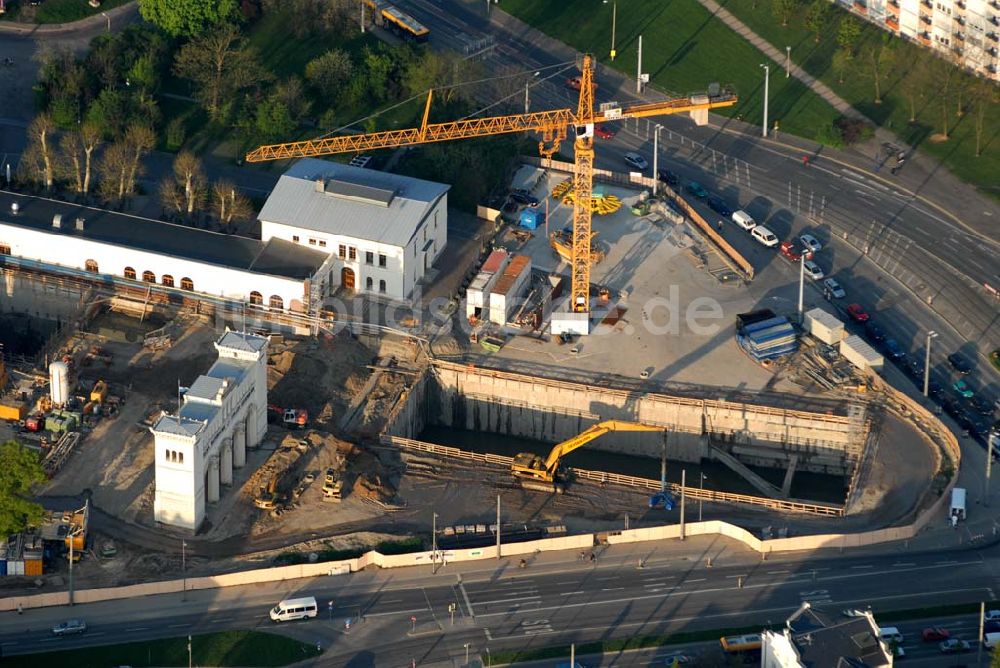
283 54
56 11
228 648
858 89
684 50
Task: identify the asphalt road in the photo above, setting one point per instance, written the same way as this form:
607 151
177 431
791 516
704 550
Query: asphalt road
403 614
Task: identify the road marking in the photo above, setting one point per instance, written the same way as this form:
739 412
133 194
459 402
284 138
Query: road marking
393 600
696 580
394 612
777 572
175 626
8 644
49 639
220 619
903 565
610 577
465 595
508 600
614 589
571 593
138 628
655 584
943 563
863 566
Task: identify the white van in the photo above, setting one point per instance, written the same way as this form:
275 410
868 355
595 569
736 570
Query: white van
294 608
890 634
764 236
743 219
991 640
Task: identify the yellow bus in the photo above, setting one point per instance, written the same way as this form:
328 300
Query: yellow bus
734 644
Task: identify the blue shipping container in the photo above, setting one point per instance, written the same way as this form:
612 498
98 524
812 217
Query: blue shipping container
532 218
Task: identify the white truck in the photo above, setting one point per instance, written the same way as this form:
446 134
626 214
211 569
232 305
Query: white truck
957 513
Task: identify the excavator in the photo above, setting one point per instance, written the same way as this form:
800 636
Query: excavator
547 475
267 497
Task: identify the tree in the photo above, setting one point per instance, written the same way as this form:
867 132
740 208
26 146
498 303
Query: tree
109 112
985 97
20 472
187 18
273 121
880 56
943 73
379 66
847 34
139 140
292 94
220 64
914 83
783 10
40 135
817 18
328 73
439 71
229 204
114 169
841 64
190 178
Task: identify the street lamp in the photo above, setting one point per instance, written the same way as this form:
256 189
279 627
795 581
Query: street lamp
434 548
105 15
614 21
527 97
767 77
927 362
184 581
701 488
806 255
788 61
656 156
467 645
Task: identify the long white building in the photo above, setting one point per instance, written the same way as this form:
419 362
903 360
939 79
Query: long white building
224 413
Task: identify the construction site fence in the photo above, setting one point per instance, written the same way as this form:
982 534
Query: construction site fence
603 477
733 257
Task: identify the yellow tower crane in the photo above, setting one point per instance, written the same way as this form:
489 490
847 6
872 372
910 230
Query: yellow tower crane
552 125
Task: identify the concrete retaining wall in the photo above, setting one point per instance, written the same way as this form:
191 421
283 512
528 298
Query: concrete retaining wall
545 410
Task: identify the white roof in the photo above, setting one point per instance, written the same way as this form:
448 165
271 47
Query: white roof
353 202
250 343
824 317
179 426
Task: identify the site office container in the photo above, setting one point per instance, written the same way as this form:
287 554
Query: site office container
477 296
824 326
860 354
504 295
496 262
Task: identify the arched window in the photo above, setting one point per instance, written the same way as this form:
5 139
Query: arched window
130 273
256 298
167 280
4 249
187 284
276 302
180 457
369 283
148 276
91 266
381 285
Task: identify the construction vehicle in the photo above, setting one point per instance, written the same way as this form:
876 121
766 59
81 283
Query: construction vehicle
100 392
553 125
547 475
291 418
562 243
267 497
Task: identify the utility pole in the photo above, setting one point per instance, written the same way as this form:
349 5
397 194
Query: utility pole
989 464
189 652
927 364
572 655
72 539
638 71
788 61
802 279
982 621
527 100
663 466
767 77
701 488
614 21
362 17
683 487
498 527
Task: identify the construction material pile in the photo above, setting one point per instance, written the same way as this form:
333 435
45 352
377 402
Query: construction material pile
601 203
765 336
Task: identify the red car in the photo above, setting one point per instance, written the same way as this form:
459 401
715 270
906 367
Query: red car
857 313
603 131
790 252
574 83
935 634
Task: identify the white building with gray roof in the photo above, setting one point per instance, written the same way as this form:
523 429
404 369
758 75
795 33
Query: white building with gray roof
224 412
383 231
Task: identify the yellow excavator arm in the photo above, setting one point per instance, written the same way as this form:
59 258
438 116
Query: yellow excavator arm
531 467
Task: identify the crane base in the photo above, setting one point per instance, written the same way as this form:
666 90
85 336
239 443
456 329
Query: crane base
565 321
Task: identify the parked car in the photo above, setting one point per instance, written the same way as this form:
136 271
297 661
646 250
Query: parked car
935 634
811 242
522 196
992 615
894 350
833 289
915 370
574 83
964 389
982 405
954 646
959 363
69 627
764 236
935 389
857 313
668 177
719 205
874 333
812 270
603 131
980 430
790 251
696 189
636 161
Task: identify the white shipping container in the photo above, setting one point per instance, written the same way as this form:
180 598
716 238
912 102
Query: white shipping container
477 296
824 326
505 295
860 354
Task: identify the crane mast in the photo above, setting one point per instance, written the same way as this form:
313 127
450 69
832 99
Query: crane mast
552 125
